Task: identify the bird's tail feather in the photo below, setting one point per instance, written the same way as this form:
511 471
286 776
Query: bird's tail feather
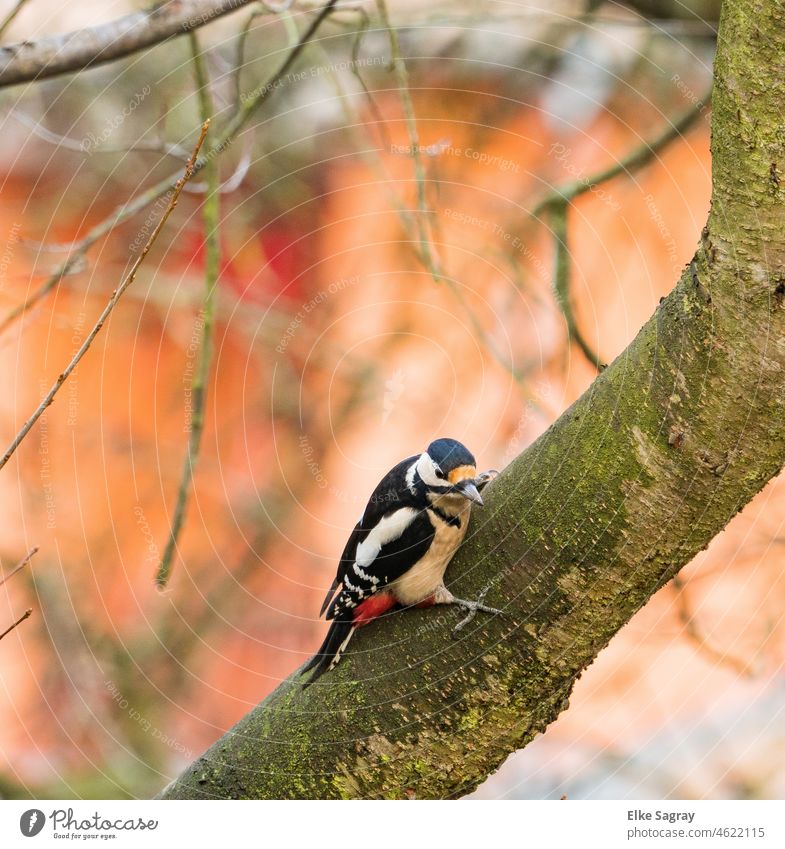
329 597
330 652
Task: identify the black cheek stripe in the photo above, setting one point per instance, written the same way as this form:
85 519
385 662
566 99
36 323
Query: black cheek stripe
455 521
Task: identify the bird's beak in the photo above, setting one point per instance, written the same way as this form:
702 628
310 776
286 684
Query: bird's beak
468 489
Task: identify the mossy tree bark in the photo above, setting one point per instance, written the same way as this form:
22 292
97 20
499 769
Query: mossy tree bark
669 442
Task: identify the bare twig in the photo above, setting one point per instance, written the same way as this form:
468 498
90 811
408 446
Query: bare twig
86 48
427 253
21 619
116 295
689 621
239 54
159 146
639 157
79 147
121 213
408 223
211 216
557 203
20 565
231 184
250 104
561 284
381 124
9 18
128 209
429 257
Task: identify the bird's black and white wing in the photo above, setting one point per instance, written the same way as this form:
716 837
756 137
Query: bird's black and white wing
392 509
393 533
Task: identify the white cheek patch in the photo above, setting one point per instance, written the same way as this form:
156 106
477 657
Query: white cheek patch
427 471
389 528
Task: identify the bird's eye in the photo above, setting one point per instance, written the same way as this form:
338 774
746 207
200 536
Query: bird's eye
439 473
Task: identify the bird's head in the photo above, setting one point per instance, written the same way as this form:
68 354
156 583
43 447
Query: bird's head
448 467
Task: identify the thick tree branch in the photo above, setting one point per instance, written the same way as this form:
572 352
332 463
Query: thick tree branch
669 442
85 48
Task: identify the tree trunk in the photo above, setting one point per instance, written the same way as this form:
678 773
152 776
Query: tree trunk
669 442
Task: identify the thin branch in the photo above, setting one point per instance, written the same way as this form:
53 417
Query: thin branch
19 621
116 295
211 213
128 209
429 257
239 55
689 621
557 203
181 631
371 156
79 147
250 104
231 184
121 213
20 565
86 48
9 18
561 283
639 157
160 146
381 124
426 253
211 217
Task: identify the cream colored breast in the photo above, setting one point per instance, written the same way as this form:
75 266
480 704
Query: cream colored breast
427 573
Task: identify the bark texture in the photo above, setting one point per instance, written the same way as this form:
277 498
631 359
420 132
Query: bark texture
669 442
84 48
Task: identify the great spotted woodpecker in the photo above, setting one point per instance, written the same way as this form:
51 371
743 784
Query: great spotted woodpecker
398 552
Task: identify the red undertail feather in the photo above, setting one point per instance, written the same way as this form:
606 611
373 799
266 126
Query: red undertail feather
341 631
373 607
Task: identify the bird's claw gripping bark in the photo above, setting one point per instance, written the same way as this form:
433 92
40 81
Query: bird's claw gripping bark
484 478
473 607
